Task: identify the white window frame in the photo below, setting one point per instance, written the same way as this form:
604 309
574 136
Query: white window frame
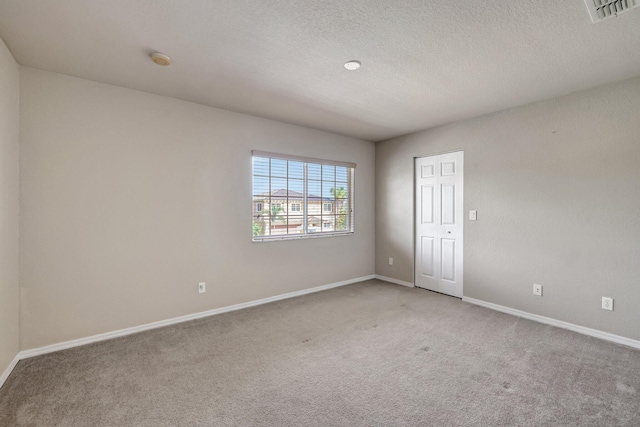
259 207
306 232
296 207
324 207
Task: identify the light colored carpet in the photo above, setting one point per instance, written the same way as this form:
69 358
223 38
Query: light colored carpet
369 354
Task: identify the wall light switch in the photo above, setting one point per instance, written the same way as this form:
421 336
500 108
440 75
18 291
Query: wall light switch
473 215
202 287
390 261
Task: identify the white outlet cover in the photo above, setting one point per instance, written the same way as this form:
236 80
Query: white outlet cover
607 303
537 289
390 261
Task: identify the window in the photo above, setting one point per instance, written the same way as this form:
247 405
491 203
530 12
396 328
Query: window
319 195
259 207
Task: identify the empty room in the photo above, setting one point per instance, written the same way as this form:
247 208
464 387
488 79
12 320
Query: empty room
320 213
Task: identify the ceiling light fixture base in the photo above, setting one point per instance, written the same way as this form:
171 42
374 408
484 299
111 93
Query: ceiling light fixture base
160 59
352 65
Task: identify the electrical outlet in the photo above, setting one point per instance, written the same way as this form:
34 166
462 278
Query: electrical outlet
202 287
390 261
607 303
537 289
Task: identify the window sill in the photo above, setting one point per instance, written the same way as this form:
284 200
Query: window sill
303 237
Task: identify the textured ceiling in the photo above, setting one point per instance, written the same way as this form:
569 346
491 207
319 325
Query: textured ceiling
424 63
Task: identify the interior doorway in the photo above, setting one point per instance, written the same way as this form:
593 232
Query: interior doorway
439 184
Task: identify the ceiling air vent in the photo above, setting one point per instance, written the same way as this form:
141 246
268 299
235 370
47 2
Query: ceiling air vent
603 9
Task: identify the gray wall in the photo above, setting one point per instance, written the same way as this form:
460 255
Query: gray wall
557 189
130 199
9 126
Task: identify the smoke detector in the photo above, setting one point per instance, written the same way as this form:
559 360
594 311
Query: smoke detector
599 10
160 59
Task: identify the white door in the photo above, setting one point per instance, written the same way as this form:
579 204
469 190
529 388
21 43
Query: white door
439 221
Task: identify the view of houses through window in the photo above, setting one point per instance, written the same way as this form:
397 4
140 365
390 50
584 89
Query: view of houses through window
294 197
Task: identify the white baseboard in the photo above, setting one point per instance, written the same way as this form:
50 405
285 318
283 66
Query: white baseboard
9 369
128 331
558 323
396 281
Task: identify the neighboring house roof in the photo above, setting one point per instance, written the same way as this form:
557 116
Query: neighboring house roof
290 194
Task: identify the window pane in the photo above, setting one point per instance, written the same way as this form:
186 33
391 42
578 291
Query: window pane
327 222
296 170
295 225
277 219
258 227
313 224
260 185
278 188
296 188
339 192
341 223
295 205
279 168
314 189
261 166
341 173
328 172
341 206
327 189
314 171
278 230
